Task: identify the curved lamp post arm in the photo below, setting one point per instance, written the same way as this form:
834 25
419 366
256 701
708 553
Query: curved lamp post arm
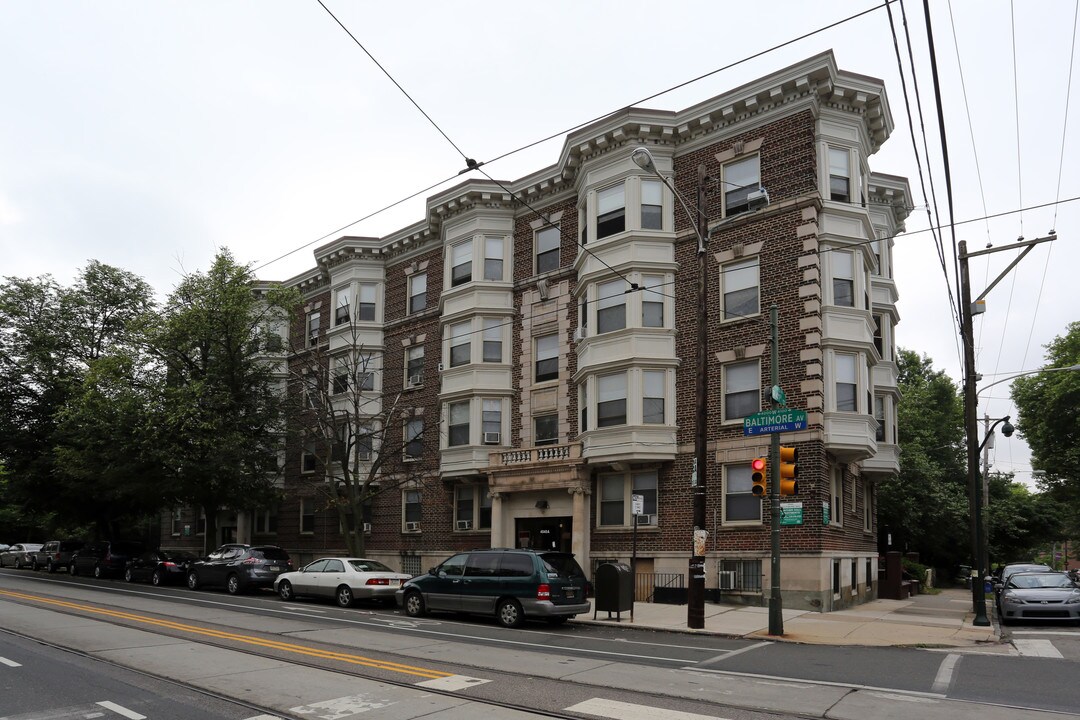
1025 374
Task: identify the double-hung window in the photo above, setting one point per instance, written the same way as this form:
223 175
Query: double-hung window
547 249
493 258
652 301
410 502
341 308
546 429
741 178
417 293
879 335
612 499
846 382
652 401
645 484
414 364
313 320
740 283
491 421
837 497
843 280
464 504
611 306
458 423
839 174
611 400
307 458
610 211
547 358
307 516
414 438
651 205
879 415
460 344
461 263
493 331
742 389
740 503
365 372
365 302
341 376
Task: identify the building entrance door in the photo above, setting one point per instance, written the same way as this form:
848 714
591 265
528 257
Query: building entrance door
546 533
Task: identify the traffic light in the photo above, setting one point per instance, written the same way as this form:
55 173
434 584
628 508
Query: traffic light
759 473
789 471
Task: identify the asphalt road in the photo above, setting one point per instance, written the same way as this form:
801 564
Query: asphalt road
538 650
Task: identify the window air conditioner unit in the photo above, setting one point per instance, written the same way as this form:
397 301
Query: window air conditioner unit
646 519
363 454
464 524
412 526
492 438
727 579
367 527
580 333
757 198
415 380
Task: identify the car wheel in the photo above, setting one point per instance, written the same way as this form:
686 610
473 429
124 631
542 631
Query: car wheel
284 590
509 614
414 604
232 584
193 580
18 564
98 572
344 596
50 567
127 576
34 565
156 578
72 570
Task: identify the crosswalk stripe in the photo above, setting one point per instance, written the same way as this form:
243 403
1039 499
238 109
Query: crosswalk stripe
616 710
1037 648
263 717
121 710
9 663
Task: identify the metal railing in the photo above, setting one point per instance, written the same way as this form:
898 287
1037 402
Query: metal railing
645 584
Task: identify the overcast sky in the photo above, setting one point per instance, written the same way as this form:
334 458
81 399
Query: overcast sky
148 135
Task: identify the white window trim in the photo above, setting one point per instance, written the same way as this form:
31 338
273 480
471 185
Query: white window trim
627 499
411 293
724 419
724 521
723 275
404 504
726 187
557 229
861 382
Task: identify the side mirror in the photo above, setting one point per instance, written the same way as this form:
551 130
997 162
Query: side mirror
431 571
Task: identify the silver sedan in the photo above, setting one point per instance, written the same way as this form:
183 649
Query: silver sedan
1040 596
18 555
342 578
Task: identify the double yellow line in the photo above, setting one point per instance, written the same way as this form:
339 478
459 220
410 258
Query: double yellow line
234 637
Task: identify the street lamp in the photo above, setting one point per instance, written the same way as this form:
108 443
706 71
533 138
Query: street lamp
695 597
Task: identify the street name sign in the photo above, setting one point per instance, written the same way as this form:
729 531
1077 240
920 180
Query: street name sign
774 421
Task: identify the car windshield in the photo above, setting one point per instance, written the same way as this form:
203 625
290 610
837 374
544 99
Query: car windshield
561 564
369 566
1010 571
1041 581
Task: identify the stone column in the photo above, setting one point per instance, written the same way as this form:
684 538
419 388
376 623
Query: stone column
497 539
579 544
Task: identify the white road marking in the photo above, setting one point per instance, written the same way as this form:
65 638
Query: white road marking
263 717
453 683
304 609
732 653
9 663
945 672
121 710
628 711
1037 648
1061 633
341 707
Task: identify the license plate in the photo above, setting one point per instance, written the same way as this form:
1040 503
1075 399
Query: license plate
396 582
273 568
569 593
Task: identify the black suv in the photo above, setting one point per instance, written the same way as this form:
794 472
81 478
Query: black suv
104 559
239 567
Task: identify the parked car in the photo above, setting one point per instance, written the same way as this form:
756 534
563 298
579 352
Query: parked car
18 555
512 585
103 559
1003 574
160 567
1039 596
55 555
343 578
239 567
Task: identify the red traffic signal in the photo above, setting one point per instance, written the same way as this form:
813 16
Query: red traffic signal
759 473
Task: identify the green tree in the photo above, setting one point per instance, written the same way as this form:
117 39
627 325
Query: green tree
1048 418
1020 521
925 508
221 402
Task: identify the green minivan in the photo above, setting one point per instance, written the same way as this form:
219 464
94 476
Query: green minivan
512 585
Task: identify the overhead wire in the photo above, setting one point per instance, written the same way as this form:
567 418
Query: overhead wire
1061 165
473 165
915 149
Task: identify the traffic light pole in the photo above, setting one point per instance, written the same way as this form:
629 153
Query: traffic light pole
776 617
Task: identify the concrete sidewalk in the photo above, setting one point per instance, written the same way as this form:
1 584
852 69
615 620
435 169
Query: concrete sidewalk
941 620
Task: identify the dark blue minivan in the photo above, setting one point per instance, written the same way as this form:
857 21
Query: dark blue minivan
511 584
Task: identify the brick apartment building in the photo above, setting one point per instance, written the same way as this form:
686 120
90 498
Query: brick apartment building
537 344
